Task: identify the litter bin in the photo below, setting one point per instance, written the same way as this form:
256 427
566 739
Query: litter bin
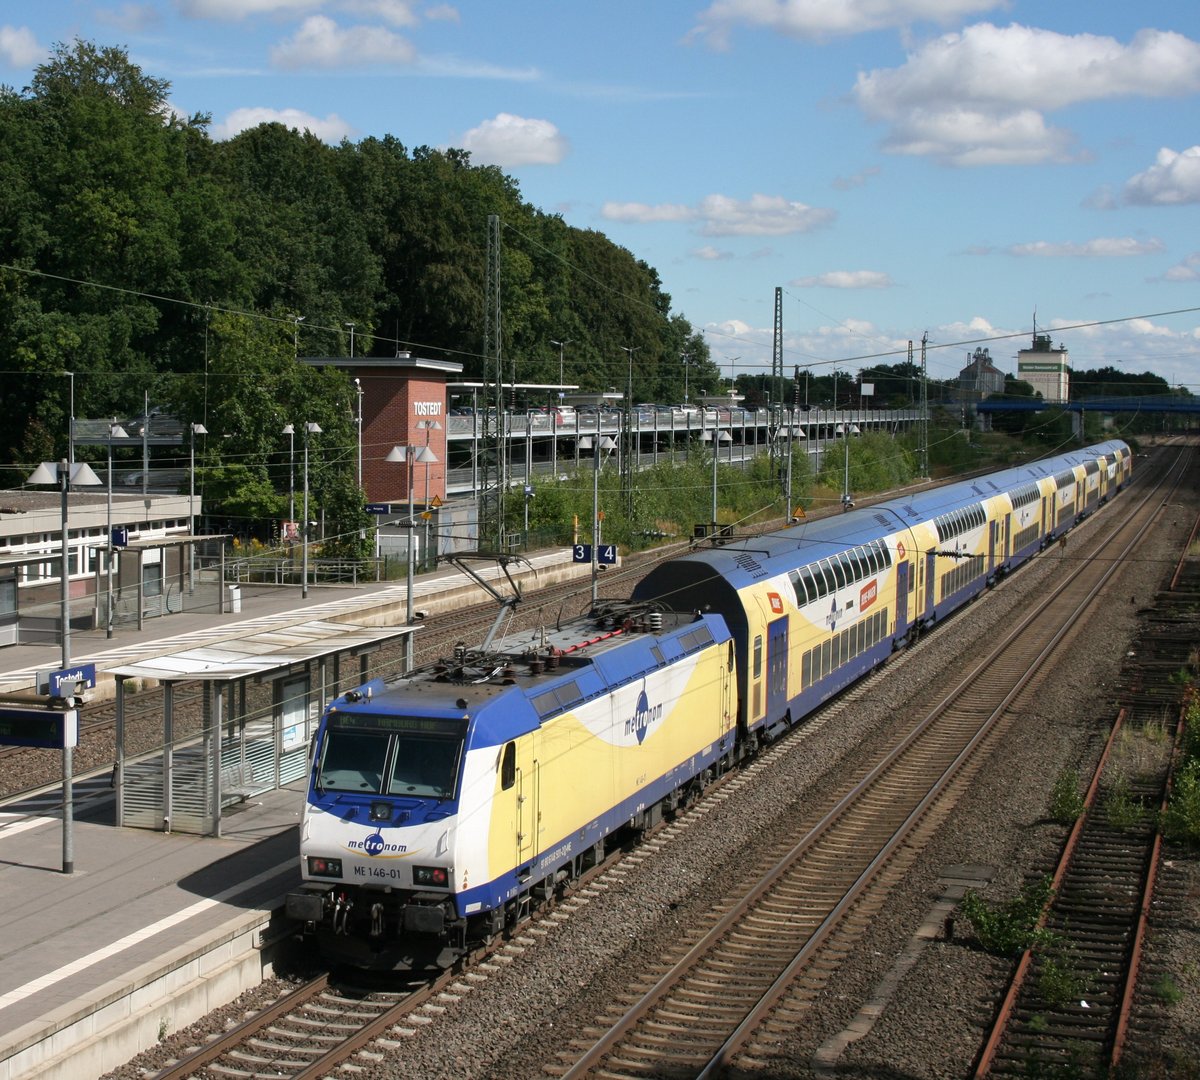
234 595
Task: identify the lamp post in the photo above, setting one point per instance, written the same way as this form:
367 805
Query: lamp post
310 428
561 346
197 429
63 473
428 457
296 321
290 432
115 431
599 444
847 502
359 389
410 455
686 359
630 441
351 325
716 437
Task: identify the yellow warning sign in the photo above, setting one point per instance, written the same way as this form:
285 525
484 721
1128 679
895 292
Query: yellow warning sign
435 502
798 513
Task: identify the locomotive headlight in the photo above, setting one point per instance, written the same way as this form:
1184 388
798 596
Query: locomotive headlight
437 876
321 867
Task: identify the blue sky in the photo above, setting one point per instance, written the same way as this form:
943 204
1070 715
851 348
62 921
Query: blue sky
953 168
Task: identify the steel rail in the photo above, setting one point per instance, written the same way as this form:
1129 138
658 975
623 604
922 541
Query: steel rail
1006 1013
647 1001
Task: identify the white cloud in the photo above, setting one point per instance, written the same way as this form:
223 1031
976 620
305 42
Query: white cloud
1103 247
979 96
321 43
1173 179
241 9
846 279
856 180
508 140
719 215
442 13
643 213
396 12
708 253
331 129
132 18
1188 270
818 19
19 48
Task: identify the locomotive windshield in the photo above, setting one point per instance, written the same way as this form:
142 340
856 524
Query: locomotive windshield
390 755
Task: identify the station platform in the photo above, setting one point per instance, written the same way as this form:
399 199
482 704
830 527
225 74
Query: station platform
152 930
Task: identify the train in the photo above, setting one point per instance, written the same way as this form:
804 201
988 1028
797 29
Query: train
445 804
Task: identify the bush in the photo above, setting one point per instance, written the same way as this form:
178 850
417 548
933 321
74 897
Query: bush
1009 928
1066 800
1181 819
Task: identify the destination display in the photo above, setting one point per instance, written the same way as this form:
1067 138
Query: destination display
428 725
39 728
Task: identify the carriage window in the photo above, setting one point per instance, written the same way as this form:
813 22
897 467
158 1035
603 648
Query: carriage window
758 657
508 766
839 574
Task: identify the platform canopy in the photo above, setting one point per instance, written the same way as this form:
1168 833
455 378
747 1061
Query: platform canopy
265 651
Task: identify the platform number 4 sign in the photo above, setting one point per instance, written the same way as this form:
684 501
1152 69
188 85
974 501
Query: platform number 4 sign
606 553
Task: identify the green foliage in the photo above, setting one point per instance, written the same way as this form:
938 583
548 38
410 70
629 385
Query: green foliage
1181 818
1008 928
668 499
1066 800
348 526
143 239
1121 810
1166 989
1191 729
1059 980
242 492
877 463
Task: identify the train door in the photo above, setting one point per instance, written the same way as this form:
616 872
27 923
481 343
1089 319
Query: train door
930 584
901 598
993 538
517 787
777 659
1048 515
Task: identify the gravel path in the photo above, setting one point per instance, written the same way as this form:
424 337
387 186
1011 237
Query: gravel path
562 973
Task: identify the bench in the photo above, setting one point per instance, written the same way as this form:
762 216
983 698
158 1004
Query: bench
237 781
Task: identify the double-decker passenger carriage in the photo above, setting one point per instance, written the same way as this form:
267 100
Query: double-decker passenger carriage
444 804
815 606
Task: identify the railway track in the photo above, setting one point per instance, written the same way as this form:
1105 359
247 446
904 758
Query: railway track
724 998
1069 1002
